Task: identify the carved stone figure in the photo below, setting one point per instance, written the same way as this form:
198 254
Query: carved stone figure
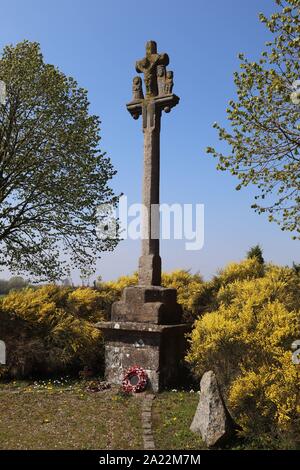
169 83
137 89
148 66
161 79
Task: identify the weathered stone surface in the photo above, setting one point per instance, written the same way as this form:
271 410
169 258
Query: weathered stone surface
159 349
212 420
148 66
147 304
149 444
147 425
169 83
159 96
143 294
137 89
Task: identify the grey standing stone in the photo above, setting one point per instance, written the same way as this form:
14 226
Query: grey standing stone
212 419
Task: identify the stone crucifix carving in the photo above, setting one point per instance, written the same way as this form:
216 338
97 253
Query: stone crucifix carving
158 86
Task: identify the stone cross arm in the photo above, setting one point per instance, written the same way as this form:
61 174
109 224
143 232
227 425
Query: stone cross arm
165 103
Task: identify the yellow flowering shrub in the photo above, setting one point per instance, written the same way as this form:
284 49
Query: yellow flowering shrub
188 287
44 332
119 285
249 268
87 303
205 297
247 340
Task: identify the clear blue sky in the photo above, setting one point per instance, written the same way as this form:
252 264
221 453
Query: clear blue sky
97 42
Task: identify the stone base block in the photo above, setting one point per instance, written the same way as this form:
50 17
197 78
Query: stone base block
159 349
147 304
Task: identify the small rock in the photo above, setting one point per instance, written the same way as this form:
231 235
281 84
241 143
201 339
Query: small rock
212 419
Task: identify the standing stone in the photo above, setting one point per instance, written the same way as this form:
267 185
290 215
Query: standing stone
145 327
212 419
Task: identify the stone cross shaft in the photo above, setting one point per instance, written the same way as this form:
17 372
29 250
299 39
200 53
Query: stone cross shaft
158 97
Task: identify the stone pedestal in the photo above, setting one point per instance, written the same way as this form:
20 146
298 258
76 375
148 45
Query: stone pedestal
146 330
159 349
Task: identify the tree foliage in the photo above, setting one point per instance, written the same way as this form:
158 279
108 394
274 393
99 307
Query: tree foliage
14 283
265 127
256 252
52 173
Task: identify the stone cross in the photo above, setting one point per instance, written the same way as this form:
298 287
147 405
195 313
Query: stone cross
158 97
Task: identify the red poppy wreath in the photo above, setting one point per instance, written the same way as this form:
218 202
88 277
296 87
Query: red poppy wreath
135 380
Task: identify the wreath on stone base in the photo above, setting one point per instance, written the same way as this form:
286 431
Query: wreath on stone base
135 380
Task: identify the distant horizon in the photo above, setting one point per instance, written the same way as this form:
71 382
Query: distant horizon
76 281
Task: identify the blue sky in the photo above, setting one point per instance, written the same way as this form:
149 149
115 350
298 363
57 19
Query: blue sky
98 42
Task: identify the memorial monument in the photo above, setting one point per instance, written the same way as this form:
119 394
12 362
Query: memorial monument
145 327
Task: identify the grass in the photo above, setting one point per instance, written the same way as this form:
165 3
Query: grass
173 413
64 415
47 415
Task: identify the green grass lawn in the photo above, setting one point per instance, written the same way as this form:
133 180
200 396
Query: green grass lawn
50 416
173 413
64 415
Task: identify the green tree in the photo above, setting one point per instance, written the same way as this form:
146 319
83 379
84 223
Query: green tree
257 253
265 134
52 174
14 283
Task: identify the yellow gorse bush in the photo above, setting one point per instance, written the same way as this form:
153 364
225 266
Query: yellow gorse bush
247 269
56 318
247 340
87 303
188 287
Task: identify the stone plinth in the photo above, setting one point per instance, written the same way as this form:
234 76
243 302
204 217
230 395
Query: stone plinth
159 349
147 304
